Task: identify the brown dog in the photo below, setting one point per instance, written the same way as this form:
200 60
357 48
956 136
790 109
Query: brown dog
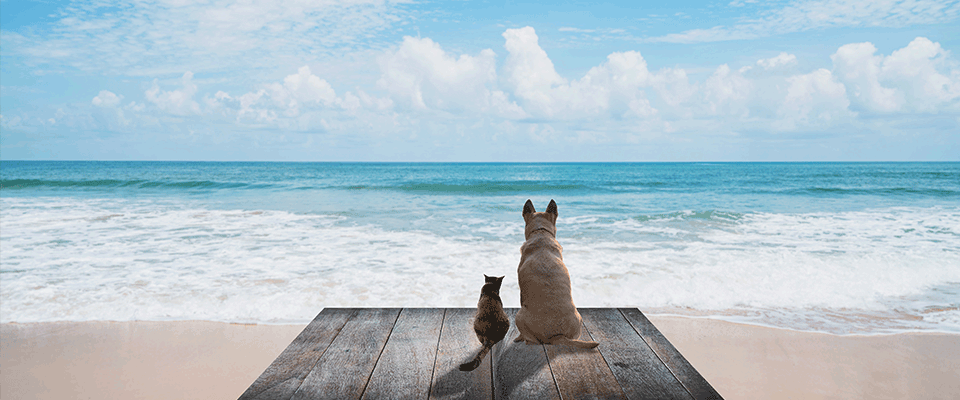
547 314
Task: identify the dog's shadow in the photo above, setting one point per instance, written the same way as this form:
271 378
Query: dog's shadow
522 366
515 365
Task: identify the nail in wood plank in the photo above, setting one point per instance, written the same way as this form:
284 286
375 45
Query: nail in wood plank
405 368
458 344
282 378
636 367
681 368
344 369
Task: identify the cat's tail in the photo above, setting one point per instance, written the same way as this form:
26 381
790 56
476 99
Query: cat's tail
575 343
472 365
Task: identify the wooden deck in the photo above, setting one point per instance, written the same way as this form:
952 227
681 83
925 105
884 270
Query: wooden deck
413 353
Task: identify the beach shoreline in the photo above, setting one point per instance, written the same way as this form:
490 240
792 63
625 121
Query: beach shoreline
205 360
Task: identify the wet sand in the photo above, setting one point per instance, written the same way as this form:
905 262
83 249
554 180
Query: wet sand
212 360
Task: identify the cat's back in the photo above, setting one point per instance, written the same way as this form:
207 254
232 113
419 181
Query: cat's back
491 321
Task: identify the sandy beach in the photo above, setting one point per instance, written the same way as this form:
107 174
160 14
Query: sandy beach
211 360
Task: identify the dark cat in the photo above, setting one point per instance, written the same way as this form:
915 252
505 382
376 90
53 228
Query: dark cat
491 323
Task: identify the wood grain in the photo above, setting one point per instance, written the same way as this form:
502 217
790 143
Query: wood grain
282 378
344 369
521 371
636 367
405 368
458 344
678 365
415 353
582 373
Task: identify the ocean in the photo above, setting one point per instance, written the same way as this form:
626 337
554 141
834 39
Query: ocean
844 248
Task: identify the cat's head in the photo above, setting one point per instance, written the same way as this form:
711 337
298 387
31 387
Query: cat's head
493 282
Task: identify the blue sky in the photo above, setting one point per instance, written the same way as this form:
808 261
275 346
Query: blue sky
359 80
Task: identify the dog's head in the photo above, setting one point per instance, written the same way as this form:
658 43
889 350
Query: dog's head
540 221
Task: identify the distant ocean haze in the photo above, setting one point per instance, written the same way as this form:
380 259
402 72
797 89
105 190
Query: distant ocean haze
833 247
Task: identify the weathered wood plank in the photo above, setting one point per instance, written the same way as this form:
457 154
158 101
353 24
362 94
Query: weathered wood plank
405 368
282 378
414 353
636 367
521 371
583 373
344 369
459 344
679 366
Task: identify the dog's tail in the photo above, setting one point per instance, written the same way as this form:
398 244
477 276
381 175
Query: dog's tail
575 343
472 365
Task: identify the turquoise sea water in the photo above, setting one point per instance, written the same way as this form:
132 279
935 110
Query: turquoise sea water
835 247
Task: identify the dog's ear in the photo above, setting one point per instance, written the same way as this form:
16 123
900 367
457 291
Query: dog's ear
552 208
528 208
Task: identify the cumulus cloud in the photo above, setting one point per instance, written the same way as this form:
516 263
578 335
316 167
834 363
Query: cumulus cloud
176 102
623 76
305 87
817 98
302 101
728 92
909 79
859 68
421 75
613 86
421 81
107 99
529 73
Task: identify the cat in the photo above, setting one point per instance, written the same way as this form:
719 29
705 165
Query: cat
491 322
547 314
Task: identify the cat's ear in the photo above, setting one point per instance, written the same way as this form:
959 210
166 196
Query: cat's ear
552 208
499 279
528 208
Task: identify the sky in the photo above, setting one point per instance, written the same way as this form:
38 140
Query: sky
369 80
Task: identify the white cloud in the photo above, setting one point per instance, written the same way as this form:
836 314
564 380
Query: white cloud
909 79
859 68
423 87
302 101
780 60
728 92
107 99
528 72
612 87
814 99
674 87
421 75
913 71
622 77
177 102
305 87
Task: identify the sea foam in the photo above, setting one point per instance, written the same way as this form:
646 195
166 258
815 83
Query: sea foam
870 271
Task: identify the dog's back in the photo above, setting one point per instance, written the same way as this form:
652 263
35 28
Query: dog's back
547 313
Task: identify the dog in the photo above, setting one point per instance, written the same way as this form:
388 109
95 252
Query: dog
547 314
